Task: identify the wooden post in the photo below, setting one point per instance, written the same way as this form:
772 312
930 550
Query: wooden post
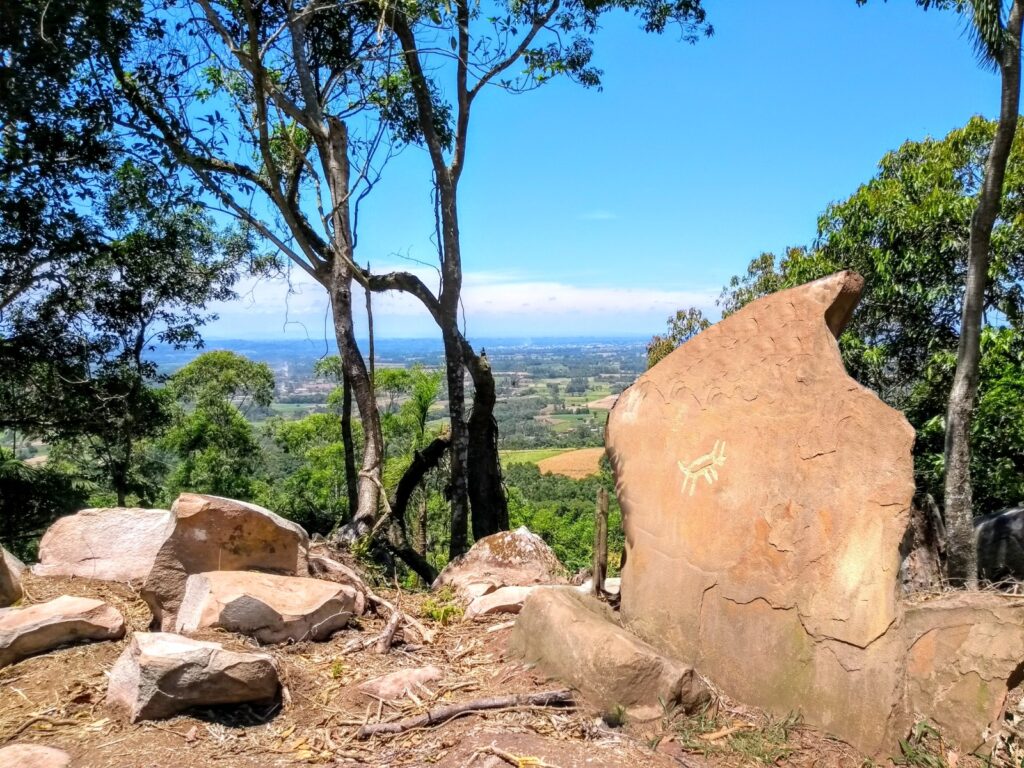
601 542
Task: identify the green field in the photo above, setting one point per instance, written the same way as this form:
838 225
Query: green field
531 456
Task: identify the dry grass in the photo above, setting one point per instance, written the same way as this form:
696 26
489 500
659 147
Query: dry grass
57 699
577 464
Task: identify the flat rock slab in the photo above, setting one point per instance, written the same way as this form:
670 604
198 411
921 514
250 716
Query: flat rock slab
113 544
33 756
502 600
10 579
270 608
401 683
508 558
45 626
577 640
210 533
161 674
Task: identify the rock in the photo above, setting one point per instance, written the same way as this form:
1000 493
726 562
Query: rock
210 533
765 495
33 756
10 579
503 600
115 544
45 626
272 609
329 569
965 652
1000 538
576 639
399 684
508 558
161 674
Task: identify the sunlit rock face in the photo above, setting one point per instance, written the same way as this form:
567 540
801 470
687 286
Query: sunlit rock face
765 494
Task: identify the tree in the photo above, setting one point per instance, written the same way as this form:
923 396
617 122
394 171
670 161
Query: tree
521 46
281 156
215 443
999 42
75 351
683 326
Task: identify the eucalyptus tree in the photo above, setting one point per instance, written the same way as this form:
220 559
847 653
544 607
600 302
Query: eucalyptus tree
257 100
458 48
997 36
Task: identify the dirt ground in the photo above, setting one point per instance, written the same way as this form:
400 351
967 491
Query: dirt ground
577 464
57 699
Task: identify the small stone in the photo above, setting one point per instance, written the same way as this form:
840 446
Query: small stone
399 684
161 674
45 626
33 756
272 609
115 544
508 558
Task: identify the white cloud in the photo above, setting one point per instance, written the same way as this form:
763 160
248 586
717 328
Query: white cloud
496 304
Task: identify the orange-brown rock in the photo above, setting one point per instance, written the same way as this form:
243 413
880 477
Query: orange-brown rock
765 494
160 674
114 544
33 756
577 639
210 533
509 558
44 626
268 607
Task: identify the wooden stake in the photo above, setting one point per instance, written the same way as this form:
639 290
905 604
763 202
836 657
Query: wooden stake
600 542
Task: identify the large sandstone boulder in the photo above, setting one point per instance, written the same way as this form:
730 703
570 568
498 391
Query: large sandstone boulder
210 533
272 609
10 579
45 626
115 544
765 495
508 558
765 498
161 674
578 640
33 756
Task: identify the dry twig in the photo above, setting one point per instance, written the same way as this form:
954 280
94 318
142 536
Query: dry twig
444 714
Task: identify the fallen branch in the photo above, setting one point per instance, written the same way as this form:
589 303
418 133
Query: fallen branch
444 714
519 761
426 635
387 637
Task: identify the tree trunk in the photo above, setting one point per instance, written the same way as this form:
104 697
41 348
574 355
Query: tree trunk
421 527
354 368
351 476
961 548
486 492
459 538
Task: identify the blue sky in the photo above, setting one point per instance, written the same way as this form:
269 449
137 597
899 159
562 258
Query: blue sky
588 212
